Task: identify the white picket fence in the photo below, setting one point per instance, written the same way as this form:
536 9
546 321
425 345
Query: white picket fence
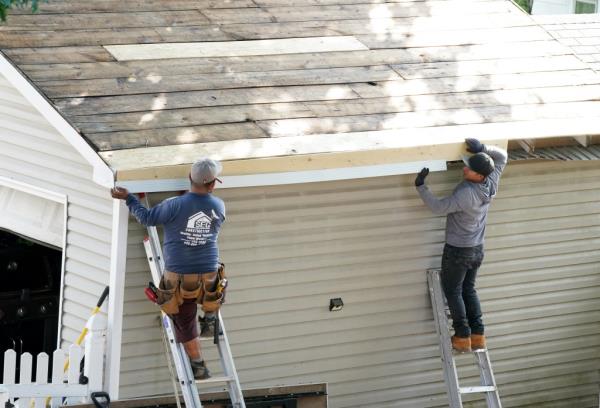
24 392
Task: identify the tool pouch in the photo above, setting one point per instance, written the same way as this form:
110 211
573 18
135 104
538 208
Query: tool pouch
190 290
168 297
211 299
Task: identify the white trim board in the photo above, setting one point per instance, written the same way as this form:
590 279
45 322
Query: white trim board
116 296
132 52
102 174
346 143
293 177
34 190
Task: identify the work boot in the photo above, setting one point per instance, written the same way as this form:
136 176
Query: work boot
478 342
200 370
461 344
207 326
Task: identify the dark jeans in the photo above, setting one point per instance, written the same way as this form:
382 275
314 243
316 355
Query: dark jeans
459 271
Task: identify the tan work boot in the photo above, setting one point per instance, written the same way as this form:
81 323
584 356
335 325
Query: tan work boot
461 344
478 342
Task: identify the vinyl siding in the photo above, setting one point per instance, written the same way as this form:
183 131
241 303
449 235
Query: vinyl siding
289 249
552 7
33 152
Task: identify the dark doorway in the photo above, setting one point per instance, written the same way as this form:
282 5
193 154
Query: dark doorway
30 285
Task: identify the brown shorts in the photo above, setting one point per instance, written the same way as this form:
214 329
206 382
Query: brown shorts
184 322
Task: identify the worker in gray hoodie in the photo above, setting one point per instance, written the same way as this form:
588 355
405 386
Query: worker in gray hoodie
466 209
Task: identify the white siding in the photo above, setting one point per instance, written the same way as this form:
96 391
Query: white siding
33 152
552 7
289 249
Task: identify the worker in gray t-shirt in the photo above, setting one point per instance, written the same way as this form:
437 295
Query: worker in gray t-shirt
466 211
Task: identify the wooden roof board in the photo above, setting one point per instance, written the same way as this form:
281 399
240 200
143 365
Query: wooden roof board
427 64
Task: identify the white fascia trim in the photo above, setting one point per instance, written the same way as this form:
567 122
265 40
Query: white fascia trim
102 174
118 259
33 190
292 177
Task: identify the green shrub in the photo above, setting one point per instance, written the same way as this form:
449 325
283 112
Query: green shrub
5 5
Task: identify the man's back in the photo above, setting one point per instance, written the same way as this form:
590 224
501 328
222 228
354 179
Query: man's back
190 242
466 226
467 206
191 228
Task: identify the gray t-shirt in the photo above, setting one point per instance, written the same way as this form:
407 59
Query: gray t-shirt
468 205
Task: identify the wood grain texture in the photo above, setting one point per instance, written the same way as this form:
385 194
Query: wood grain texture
422 63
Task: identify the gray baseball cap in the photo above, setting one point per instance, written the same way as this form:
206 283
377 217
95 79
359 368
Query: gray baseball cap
205 171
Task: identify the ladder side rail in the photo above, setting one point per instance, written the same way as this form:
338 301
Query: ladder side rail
182 365
487 378
151 257
235 389
441 322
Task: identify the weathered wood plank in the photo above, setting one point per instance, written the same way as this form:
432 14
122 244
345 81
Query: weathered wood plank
46 72
282 119
315 93
234 48
283 3
99 87
59 38
114 6
219 97
394 27
175 136
432 118
58 55
411 31
454 37
125 103
188 117
360 11
485 67
103 20
477 83
391 26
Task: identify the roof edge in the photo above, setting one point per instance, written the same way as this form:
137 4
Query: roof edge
102 173
289 177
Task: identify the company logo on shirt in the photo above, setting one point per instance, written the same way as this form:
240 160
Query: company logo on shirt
197 231
199 221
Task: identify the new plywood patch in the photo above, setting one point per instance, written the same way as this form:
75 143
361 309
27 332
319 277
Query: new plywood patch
234 48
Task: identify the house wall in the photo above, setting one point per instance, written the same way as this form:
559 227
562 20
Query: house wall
289 249
33 152
552 7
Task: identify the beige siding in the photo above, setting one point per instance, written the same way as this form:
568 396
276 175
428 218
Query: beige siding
289 249
33 152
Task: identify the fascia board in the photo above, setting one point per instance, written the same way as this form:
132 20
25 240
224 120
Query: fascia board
292 177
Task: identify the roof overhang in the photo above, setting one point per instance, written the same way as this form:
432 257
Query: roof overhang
314 157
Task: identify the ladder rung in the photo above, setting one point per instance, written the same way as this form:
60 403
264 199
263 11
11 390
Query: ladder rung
473 390
215 380
210 338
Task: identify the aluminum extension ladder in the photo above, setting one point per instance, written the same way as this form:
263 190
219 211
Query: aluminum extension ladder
482 358
183 367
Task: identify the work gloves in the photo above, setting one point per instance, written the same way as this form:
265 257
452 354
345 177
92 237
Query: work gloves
420 180
474 145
